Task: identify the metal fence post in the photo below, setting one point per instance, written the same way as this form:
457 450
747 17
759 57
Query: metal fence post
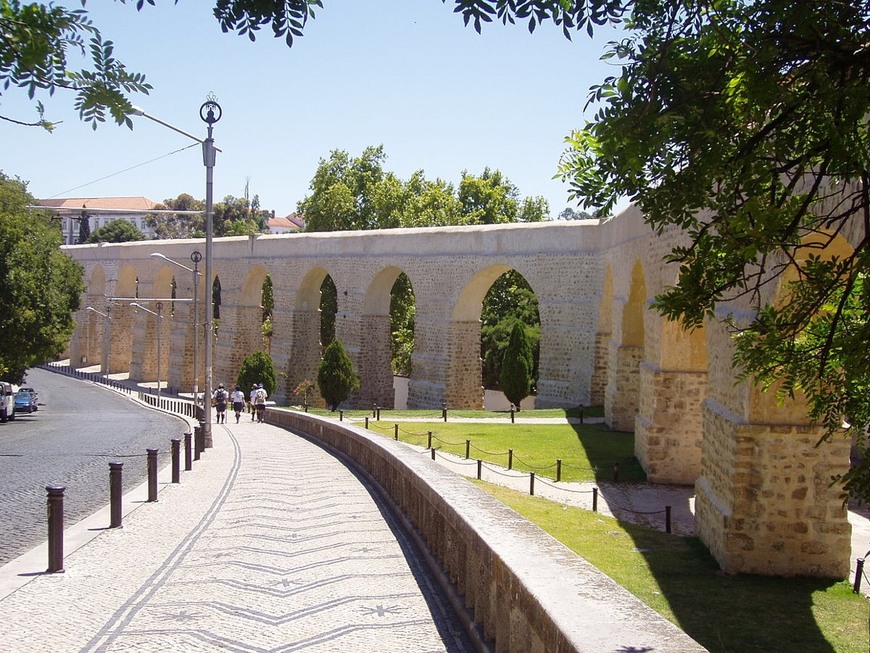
532 484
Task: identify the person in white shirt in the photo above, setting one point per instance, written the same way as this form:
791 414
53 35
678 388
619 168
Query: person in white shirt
238 399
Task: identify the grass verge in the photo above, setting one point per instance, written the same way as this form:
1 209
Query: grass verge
679 579
587 452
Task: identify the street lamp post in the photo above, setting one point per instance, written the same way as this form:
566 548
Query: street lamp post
210 112
195 257
159 317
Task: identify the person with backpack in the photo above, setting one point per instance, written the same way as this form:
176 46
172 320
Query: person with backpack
220 402
238 399
260 403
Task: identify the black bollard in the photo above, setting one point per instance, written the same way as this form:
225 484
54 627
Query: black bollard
305 405
667 519
512 414
558 469
341 416
176 460
55 528
581 415
374 411
433 453
367 421
859 572
531 484
197 437
479 468
116 491
595 499
467 449
444 410
510 458
429 443
152 475
188 454
396 432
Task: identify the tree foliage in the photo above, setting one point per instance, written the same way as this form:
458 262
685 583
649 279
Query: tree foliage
336 377
351 193
516 368
509 300
178 225
117 231
40 287
257 368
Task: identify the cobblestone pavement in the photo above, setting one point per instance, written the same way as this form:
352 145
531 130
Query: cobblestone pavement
268 544
79 428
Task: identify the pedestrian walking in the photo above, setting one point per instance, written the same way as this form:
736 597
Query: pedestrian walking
260 403
220 403
238 399
253 401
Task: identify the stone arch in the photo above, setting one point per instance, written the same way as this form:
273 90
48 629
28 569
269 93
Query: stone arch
464 367
144 366
764 502
88 346
603 335
241 324
375 368
304 349
121 349
621 397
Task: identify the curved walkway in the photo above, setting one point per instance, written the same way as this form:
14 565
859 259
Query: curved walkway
268 544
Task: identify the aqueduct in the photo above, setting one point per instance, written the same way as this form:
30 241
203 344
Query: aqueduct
764 503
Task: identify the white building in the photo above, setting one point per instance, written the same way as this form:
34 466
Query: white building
101 211
289 224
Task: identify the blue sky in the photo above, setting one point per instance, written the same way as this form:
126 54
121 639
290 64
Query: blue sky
403 73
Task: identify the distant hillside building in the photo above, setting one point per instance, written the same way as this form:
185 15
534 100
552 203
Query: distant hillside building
101 211
289 224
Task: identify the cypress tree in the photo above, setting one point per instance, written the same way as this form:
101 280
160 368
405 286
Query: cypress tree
335 376
516 368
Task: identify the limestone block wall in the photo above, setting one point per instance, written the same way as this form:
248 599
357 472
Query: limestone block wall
374 363
623 389
764 504
669 428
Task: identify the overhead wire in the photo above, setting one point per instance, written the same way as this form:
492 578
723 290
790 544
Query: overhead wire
120 172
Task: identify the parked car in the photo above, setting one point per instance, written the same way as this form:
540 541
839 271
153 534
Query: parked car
33 392
24 402
7 402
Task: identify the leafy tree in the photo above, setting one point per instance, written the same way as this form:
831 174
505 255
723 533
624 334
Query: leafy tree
516 369
257 368
351 193
40 287
336 376
492 199
178 225
117 231
402 312
509 299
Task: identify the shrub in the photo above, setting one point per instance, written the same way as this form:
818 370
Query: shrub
336 376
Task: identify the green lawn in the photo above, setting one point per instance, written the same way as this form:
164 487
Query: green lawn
678 578
435 414
588 452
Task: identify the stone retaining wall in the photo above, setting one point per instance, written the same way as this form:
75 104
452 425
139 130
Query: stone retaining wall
527 592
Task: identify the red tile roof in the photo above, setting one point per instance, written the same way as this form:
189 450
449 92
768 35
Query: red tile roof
96 203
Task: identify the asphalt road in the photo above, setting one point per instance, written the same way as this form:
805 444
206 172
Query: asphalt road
79 428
